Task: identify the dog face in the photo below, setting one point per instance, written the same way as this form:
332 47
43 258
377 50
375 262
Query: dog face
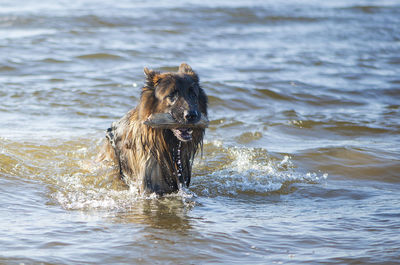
176 93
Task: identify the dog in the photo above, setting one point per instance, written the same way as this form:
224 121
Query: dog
159 159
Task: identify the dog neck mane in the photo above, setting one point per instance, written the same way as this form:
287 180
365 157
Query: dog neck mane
173 157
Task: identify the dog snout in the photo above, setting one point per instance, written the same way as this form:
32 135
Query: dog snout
192 116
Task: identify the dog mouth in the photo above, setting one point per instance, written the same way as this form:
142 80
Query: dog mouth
183 134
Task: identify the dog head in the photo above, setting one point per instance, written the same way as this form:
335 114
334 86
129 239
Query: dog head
177 93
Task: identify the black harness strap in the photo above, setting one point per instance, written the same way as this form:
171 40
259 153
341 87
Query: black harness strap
111 139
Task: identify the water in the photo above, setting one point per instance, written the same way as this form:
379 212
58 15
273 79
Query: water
300 164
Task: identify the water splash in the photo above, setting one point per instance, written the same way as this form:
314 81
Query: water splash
252 171
76 182
98 186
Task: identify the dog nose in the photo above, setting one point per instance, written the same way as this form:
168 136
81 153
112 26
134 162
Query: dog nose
192 116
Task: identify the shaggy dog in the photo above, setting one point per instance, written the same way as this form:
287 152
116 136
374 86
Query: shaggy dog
158 159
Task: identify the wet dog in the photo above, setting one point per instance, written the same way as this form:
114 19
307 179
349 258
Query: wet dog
155 143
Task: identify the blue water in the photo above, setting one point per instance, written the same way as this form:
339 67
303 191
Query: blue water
300 163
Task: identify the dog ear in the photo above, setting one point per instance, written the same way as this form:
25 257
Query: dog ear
151 78
186 69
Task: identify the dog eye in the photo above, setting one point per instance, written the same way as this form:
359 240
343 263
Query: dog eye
172 96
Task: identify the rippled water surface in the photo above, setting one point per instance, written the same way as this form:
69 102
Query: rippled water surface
301 162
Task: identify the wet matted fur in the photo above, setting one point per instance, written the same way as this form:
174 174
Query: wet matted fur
159 160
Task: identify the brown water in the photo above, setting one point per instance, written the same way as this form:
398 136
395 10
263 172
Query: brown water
301 163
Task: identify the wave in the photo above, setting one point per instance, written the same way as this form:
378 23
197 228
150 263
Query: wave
353 163
251 171
369 9
103 56
75 182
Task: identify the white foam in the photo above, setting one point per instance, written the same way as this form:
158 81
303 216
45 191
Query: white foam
239 171
21 33
216 143
96 199
250 171
74 192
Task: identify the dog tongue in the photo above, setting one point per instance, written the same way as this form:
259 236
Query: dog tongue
184 134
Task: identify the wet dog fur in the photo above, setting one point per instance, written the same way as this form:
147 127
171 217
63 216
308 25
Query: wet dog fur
159 160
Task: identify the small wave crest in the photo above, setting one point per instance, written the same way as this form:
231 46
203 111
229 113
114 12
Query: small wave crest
252 171
77 183
232 172
74 194
99 187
